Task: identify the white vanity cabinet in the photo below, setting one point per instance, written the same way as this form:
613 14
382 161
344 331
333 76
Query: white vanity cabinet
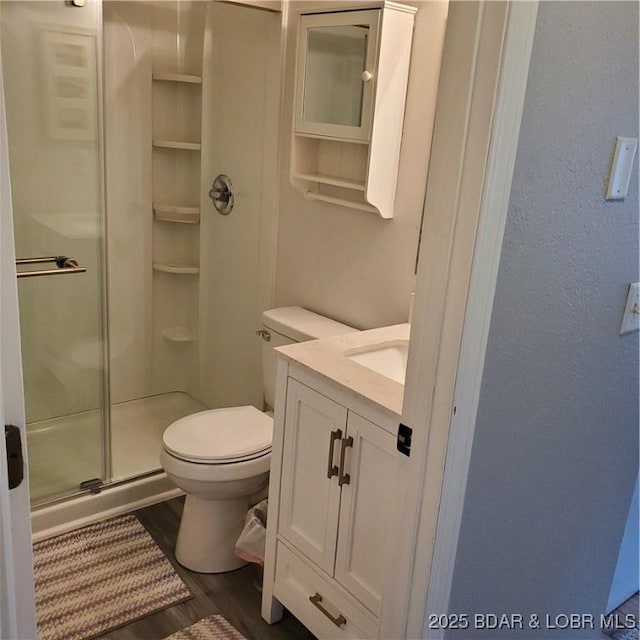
351 84
337 474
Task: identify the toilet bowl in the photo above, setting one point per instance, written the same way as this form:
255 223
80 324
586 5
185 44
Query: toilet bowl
220 458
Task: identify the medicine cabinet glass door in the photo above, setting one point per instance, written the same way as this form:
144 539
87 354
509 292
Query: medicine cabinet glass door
336 74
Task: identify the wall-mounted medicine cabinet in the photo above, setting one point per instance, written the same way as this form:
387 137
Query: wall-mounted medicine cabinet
336 62
351 84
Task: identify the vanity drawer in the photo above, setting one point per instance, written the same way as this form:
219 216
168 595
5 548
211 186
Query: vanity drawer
297 586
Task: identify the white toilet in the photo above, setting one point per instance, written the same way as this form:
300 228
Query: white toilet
220 458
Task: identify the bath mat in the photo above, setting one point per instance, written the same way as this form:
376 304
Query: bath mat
95 579
211 628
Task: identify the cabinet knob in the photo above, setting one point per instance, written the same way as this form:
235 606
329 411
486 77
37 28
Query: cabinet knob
366 76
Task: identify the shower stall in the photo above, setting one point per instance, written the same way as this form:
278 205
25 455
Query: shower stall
139 297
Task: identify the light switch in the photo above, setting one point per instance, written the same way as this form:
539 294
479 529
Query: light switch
621 166
631 315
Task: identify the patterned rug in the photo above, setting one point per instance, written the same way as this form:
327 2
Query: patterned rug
211 628
95 579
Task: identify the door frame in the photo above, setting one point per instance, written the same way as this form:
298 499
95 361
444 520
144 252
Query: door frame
480 101
17 608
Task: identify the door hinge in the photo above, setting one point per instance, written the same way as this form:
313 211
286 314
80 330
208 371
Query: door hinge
93 486
15 462
404 439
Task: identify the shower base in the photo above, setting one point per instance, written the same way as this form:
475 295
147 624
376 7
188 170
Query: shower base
137 427
80 511
65 451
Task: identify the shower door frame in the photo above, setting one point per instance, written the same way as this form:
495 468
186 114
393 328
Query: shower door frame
17 603
96 7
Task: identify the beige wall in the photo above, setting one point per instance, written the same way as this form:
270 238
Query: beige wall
347 264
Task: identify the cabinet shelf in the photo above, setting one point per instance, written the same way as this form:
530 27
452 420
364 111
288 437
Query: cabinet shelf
332 180
178 334
362 206
177 77
179 269
175 213
177 144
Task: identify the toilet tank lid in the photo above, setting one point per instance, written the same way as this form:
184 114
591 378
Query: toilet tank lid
300 324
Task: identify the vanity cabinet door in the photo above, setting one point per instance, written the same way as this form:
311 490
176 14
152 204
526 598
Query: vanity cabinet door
310 494
366 510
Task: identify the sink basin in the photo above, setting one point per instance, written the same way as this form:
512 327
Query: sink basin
390 360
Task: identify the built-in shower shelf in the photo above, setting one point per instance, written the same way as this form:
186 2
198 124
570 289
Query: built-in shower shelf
174 213
177 144
180 269
177 77
178 334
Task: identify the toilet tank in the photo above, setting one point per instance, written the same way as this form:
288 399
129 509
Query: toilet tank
288 325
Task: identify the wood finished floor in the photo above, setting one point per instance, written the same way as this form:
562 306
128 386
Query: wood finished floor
232 595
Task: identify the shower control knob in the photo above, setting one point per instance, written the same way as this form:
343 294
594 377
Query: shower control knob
221 194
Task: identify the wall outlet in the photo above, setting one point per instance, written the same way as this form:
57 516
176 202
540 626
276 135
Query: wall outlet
631 315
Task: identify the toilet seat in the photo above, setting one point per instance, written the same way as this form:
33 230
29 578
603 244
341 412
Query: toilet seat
220 436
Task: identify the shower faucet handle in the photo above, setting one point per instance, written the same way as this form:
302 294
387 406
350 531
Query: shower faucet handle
222 195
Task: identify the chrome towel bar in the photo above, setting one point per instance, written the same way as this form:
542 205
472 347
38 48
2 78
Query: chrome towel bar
63 264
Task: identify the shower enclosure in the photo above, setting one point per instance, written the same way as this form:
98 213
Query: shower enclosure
120 115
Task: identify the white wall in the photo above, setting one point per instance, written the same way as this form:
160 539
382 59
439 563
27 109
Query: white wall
555 453
347 264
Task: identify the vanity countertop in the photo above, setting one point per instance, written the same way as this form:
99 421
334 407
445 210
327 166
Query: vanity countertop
328 358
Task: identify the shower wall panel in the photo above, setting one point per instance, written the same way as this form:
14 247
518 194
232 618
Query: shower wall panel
241 97
151 312
128 47
190 332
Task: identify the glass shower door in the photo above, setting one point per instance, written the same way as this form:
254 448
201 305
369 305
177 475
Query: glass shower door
50 54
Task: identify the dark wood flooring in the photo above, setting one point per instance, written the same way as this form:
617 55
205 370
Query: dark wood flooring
232 595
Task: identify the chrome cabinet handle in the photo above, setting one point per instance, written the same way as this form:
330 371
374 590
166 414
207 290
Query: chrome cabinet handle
344 478
332 469
64 264
316 601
